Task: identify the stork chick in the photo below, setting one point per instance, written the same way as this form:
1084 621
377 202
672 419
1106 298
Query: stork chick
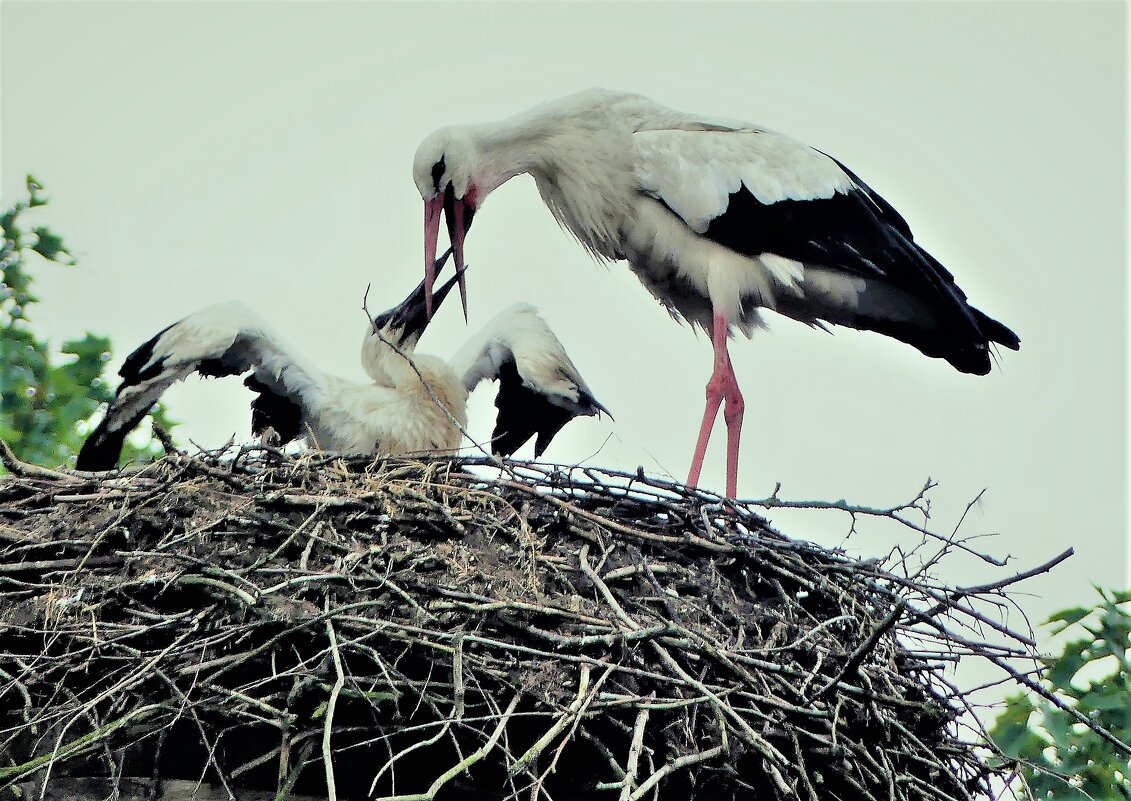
413 403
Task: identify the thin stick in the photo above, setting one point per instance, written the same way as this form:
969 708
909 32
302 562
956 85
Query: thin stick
331 705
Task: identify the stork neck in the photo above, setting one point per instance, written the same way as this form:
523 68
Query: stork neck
582 168
383 364
506 150
578 150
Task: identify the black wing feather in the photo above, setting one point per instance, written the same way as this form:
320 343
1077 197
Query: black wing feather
103 448
131 370
275 410
861 234
523 412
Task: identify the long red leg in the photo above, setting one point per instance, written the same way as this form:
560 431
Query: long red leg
722 386
733 417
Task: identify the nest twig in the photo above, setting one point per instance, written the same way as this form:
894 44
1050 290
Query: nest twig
403 629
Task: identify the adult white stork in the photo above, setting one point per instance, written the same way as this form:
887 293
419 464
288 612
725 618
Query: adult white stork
717 219
413 403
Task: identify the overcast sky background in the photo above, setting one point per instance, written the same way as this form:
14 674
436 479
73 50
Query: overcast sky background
261 151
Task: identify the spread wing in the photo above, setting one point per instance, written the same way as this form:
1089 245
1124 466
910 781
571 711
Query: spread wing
221 340
540 389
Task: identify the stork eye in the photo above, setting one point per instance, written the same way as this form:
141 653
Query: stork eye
438 170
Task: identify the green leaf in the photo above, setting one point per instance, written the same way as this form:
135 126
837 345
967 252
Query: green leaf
1012 732
91 352
1104 698
1068 617
50 246
1072 762
1058 724
1063 669
43 398
91 345
35 192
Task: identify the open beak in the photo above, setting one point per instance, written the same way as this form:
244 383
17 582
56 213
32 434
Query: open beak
413 314
458 214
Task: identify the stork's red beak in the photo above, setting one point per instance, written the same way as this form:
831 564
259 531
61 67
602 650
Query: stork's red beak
458 214
432 209
455 212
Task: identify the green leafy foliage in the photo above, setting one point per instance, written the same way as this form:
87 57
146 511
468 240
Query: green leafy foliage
1061 758
45 401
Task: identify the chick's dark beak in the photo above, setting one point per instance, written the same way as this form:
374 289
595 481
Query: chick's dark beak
413 314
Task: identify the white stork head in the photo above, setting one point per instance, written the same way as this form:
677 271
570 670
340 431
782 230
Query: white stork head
442 172
447 158
452 176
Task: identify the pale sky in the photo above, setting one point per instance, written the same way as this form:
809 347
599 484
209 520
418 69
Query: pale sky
200 152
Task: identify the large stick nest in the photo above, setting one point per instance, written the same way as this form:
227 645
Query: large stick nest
351 629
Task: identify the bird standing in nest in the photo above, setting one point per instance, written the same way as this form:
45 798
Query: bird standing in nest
413 403
718 219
